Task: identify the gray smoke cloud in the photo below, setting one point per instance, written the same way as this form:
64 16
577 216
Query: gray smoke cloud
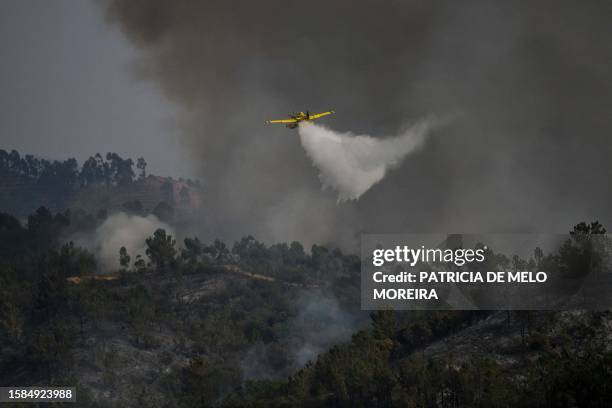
119 230
351 164
532 81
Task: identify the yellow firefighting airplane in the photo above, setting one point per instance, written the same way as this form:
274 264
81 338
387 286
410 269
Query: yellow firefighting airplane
295 118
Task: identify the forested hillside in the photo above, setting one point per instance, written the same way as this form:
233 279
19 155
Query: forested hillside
195 324
109 183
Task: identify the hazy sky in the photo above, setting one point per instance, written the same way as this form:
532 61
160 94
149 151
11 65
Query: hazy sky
528 83
68 88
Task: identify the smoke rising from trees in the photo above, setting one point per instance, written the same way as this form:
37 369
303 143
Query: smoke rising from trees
319 324
121 230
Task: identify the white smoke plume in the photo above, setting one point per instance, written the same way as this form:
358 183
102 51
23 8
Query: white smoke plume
119 230
351 164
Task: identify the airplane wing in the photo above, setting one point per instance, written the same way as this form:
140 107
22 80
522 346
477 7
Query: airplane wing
318 115
282 121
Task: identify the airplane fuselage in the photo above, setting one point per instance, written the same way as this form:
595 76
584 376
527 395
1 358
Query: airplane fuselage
299 117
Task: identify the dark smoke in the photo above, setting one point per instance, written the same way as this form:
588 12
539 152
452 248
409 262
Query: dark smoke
530 81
